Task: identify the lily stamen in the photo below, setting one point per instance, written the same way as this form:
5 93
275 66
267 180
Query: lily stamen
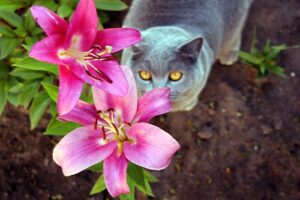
103 133
96 124
100 73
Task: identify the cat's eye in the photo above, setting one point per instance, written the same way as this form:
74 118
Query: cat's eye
145 75
175 76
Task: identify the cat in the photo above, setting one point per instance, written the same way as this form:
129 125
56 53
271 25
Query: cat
181 41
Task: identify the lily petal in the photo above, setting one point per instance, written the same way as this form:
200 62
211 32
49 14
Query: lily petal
47 49
114 168
83 26
118 38
125 105
153 103
50 22
152 147
70 88
81 149
111 69
83 113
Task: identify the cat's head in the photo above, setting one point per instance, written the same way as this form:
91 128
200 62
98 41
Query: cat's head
168 57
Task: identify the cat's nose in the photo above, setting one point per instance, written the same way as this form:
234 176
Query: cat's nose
159 85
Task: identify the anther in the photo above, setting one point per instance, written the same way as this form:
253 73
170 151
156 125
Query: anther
111 110
127 123
101 74
103 133
115 128
93 55
96 124
98 47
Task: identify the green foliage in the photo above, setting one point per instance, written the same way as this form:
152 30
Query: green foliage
111 5
25 81
137 178
59 128
99 185
265 60
37 108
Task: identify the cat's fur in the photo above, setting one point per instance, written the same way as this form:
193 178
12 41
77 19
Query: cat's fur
185 35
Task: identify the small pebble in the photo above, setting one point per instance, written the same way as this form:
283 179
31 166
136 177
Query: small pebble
239 114
266 130
293 74
205 135
228 171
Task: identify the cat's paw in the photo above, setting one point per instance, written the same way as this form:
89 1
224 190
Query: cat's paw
229 59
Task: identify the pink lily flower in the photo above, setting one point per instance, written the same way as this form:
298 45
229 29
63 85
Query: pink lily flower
116 130
82 52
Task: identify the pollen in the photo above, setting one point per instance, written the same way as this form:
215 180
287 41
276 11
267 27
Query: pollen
113 129
62 54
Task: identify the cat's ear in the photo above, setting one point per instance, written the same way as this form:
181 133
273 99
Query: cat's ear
191 49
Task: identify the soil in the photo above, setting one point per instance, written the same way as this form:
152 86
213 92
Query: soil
242 141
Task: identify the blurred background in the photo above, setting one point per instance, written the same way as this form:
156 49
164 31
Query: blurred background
242 141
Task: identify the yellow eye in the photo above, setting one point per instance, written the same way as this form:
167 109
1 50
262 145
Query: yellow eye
145 75
175 76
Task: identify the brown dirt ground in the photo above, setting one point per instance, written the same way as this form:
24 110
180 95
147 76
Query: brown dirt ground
242 141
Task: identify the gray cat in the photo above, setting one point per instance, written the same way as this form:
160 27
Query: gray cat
181 41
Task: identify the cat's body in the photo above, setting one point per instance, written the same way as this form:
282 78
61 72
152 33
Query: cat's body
185 36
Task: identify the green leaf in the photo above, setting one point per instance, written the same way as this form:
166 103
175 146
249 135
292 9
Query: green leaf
137 175
277 70
17 88
149 177
267 47
28 92
13 99
30 40
262 70
37 31
3 70
47 3
37 108
64 10
60 128
110 5
26 74
87 94
3 95
21 32
275 51
53 110
29 22
97 168
9 5
52 90
11 17
149 191
6 30
27 47
249 58
99 186
30 63
7 45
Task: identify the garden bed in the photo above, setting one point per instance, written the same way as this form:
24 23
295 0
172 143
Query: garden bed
242 141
